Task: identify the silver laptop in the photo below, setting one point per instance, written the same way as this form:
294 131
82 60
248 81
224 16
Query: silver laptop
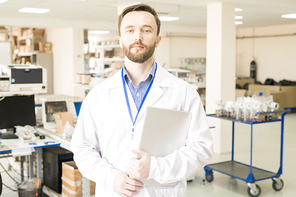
164 131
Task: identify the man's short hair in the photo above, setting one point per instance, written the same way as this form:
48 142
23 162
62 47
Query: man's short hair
139 7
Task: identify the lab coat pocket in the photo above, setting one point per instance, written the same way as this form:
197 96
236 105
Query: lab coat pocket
171 192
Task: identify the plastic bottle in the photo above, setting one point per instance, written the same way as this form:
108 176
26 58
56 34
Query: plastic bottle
253 69
67 130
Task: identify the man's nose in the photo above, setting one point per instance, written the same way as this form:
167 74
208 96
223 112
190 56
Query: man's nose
138 36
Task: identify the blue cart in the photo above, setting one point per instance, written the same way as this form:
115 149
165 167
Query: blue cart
245 172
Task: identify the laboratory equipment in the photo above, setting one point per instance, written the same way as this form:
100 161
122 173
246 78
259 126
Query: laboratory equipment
23 78
247 108
51 107
4 84
230 109
53 104
48 109
220 108
180 73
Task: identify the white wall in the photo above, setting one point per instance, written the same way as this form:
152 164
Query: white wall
162 53
67 48
172 48
275 56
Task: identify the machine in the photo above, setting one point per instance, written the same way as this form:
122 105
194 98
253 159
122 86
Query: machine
17 78
53 104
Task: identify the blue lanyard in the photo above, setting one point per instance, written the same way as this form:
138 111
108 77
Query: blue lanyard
126 97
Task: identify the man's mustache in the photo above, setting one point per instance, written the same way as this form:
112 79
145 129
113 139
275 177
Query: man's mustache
137 43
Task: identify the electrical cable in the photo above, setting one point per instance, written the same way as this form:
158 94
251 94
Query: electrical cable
8 173
3 97
14 190
14 170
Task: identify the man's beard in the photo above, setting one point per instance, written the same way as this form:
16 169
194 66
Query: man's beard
139 57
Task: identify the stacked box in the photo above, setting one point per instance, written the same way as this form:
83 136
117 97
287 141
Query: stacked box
288 92
72 181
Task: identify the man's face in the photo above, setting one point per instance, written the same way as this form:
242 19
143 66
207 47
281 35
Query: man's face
139 36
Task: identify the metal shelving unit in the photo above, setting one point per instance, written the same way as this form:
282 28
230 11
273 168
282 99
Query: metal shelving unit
247 172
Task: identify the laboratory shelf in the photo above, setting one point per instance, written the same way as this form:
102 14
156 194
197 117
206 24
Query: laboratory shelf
247 172
240 170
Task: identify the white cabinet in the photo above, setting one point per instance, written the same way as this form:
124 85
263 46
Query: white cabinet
6 46
106 55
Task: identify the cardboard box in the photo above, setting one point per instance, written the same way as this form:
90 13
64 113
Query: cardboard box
41 46
290 95
61 118
48 47
240 93
242 82
258 87
290 92
72 181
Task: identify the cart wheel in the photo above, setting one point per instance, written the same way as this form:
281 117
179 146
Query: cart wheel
277 185
210 177
253 193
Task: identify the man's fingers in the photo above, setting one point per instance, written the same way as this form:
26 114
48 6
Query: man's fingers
131 181
132 188
128 193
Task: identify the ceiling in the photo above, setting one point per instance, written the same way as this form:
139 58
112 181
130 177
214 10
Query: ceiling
102 14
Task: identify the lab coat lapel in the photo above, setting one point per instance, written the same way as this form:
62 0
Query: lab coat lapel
156 90
115 84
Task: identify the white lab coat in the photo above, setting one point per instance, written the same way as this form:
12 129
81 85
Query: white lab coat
104 118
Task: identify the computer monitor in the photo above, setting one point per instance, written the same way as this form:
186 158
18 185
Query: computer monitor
17 111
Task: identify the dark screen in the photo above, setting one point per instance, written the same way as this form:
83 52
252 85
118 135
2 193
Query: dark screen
52 107
17 111
21 76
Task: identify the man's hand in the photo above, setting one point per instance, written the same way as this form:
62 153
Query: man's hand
139 167
124 186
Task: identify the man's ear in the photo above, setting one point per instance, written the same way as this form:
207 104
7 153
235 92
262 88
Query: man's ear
158 39
120 43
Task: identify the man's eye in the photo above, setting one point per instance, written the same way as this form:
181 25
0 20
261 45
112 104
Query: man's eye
146 30
129 30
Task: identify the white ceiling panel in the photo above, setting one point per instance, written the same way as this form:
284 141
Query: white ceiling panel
192 13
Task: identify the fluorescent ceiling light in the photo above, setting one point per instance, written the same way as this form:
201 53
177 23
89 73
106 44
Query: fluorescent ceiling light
98 32
168 18
3 1
293 15
238 17
238 9
238 22
34 10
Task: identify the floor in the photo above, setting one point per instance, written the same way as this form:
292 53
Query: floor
266 153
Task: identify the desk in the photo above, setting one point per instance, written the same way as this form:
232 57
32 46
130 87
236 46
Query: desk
65 143
16 147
